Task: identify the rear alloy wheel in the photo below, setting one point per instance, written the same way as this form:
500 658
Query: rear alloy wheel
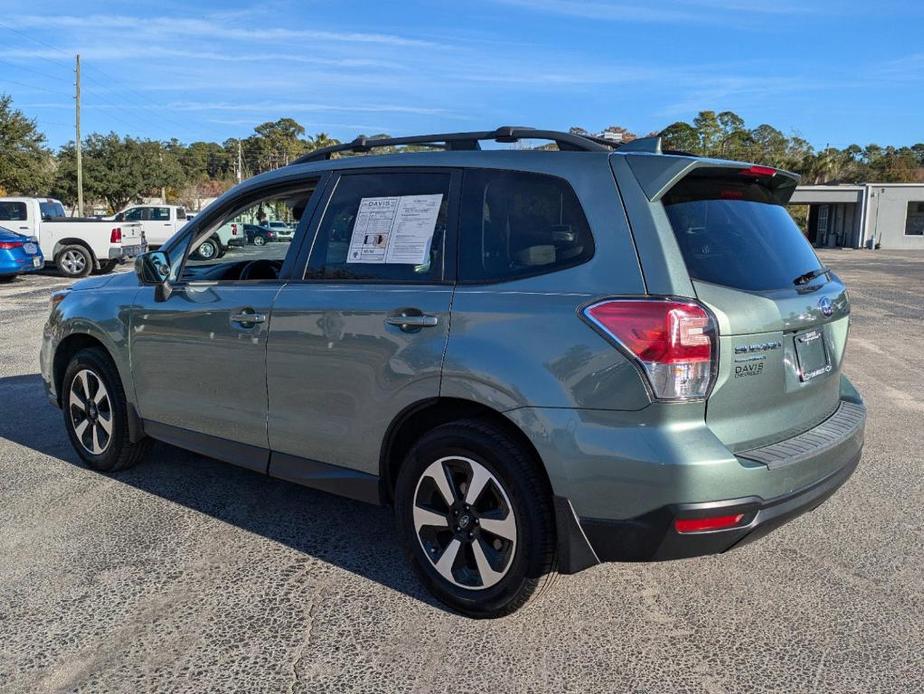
74 261
464 522
259 240
96 412
474 511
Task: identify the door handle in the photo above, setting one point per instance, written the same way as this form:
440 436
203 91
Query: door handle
248 319
412 320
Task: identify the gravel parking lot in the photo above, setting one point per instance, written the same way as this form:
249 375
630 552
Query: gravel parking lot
188 574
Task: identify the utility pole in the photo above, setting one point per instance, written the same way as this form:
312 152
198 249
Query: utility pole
239 163
163 190
79 159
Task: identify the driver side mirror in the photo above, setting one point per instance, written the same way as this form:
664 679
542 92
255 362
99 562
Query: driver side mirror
154 268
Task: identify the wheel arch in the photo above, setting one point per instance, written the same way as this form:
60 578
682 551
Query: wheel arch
65 351
412 422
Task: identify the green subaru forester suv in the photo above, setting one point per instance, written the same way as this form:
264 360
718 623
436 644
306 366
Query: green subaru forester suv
542 358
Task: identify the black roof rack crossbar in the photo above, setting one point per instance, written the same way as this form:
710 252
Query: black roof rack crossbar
465 141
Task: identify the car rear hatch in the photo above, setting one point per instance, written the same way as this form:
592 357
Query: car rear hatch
782 317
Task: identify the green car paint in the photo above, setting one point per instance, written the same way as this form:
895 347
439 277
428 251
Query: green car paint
316 393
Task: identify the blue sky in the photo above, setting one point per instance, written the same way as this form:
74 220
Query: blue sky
833 72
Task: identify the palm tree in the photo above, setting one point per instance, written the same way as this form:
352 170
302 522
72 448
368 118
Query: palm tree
321 140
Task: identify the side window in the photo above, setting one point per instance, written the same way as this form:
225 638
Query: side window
221 252
517 224
12 211
160 214
180 214
383 226
134 214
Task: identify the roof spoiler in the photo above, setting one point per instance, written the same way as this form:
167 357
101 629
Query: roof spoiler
657 175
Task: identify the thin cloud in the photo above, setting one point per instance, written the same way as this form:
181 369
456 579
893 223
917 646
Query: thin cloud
678 12
209 28
305 107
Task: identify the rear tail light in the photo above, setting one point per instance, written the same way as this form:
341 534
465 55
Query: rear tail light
10 245
116 235
234 229
700 525
673 341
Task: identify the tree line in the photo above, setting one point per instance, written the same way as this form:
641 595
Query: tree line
119 170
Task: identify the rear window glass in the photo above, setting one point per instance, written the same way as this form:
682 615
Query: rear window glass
383 227
517 224
51 210
734 233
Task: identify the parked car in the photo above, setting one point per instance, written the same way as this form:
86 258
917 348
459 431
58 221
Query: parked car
259 236
284 230
76 246
18 254
159 222
644 362
227 236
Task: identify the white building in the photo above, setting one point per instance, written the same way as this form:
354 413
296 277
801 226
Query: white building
867 215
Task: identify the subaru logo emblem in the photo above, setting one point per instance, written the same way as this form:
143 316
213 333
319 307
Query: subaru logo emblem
827 308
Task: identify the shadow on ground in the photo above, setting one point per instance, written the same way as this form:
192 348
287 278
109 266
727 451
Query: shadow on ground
353 536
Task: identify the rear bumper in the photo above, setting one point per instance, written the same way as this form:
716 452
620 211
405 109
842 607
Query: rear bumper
652 537
767 487
237 241
15 263
124 253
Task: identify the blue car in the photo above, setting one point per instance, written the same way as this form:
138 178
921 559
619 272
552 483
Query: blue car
18 254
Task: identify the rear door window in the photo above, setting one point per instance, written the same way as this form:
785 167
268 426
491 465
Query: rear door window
517 224
12 211
52 210
383 227
734 231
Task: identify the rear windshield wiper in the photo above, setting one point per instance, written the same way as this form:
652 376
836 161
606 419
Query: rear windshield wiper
809 276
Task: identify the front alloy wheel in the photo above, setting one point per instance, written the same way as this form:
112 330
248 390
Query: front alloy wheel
96 412
464 522
90 410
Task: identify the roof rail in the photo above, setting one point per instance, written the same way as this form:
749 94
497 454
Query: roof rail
468 141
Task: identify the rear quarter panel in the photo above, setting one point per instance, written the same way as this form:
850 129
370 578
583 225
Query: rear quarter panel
522 343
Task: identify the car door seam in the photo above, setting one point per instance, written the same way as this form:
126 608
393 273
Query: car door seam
266 414
452 298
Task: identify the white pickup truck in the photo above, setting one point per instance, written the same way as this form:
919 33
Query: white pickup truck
77 247
159 222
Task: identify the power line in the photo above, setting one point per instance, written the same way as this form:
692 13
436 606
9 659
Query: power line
32 69
185 125
6 80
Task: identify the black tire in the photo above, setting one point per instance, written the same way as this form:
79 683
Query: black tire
117 451
527 567
106 266
74 261
7 278
210 249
